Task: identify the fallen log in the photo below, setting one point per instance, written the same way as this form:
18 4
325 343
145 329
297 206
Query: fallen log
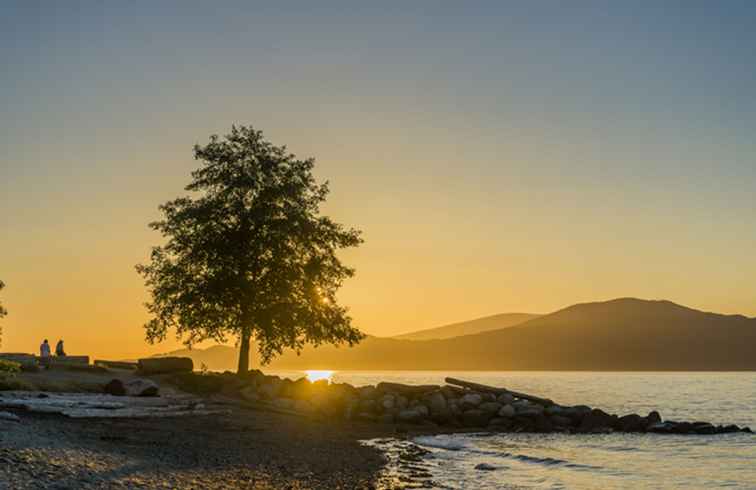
403 389
499 391
116 364
165 365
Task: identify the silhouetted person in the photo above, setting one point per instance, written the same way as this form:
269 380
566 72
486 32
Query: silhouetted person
59 350
44 354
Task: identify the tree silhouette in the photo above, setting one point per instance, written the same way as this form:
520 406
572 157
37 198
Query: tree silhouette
249 255
3 312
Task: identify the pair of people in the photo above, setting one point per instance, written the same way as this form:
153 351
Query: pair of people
44 349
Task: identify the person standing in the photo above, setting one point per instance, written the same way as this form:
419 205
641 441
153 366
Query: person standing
59 350
44 354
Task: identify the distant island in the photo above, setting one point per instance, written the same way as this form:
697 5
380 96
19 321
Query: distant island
625 334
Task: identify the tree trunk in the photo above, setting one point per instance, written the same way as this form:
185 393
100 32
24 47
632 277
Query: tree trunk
243 352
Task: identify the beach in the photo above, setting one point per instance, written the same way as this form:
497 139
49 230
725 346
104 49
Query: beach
244 449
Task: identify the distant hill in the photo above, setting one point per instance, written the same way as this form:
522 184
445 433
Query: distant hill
470 327
619 335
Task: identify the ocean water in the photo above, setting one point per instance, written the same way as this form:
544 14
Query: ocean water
601 461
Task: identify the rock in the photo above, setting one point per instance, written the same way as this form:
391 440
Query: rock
485 467
422 410
409 415
653 418
703 428
284 403
505 399
165 365
304 406
402 402
386 418
488 397
632 423
270 388
492 407
367 392
367 405
470 400
560 421
660 428
729 429
249 393
747 430
476 418
542 423
500 423
576 413
388 402
437 403
507 411
115 387
452 392
11 417
597 421
141 387
553 410
367 417
528 410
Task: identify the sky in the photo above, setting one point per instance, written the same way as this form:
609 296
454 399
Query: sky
498 156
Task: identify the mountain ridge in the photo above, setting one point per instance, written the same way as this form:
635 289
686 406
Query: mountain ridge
623 334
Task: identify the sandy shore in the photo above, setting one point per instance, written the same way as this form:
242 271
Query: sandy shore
246 449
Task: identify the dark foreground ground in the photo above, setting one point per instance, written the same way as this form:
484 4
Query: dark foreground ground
247 449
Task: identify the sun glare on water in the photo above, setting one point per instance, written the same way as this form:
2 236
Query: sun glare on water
314 375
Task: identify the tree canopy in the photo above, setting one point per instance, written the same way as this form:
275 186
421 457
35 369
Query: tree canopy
248 254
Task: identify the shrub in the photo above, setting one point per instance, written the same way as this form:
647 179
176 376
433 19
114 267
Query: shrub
9 366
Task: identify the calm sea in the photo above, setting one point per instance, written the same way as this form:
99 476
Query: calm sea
636 461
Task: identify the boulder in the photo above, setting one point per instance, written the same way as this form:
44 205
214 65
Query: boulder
284 403
653 418
437 403
388 402
452 392
500 423
386 418
304 406
115 387
422 410
249 393
165 365
409 415
597 421
553 410
632 423
542 423
470 400
492 407
270 387
507 411
368 406
576 413
141 387
408 390
661 427
476 418
560 421
367 392
505 399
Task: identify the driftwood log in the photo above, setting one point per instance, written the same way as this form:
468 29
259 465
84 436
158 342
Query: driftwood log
116 364
499 391
165 365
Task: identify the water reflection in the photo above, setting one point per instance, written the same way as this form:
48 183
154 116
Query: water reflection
317 375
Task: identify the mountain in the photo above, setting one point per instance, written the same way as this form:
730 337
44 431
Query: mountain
494 322
620 335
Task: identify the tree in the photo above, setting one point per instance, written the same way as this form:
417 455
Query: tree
3 312
249 254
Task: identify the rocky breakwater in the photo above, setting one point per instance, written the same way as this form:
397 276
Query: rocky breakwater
458 405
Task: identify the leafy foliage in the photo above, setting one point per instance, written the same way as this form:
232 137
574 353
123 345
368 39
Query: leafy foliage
249 254
9 366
